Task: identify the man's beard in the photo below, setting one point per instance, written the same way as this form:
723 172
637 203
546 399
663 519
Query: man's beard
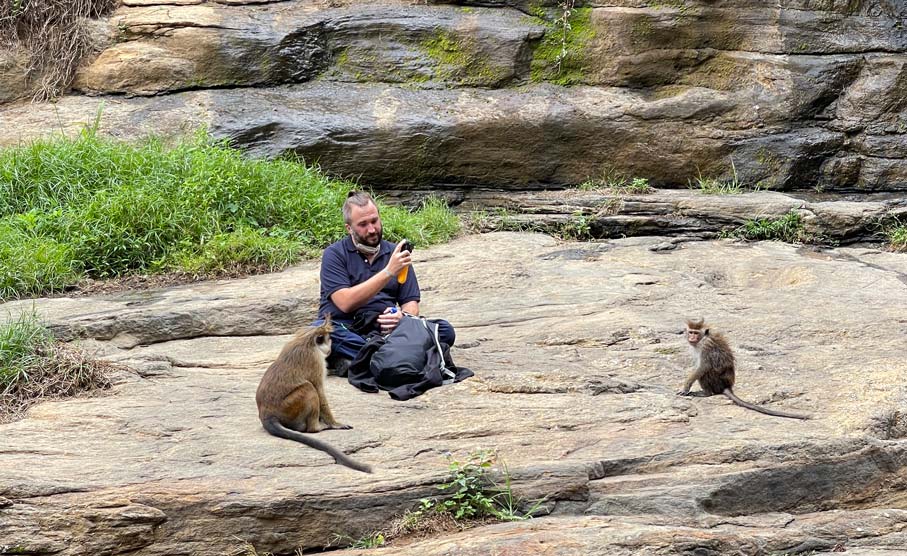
366 246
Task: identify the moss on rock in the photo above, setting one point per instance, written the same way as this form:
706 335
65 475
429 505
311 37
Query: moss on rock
560 57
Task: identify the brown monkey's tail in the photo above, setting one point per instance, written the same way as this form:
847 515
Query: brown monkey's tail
273 426
731 396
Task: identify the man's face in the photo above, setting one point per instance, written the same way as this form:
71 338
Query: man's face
365 225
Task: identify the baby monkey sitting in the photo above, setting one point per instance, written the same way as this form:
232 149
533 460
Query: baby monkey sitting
714 367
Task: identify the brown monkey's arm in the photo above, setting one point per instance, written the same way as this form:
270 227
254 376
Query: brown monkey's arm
326 416
694 376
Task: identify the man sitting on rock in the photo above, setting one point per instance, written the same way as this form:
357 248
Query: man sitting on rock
359 286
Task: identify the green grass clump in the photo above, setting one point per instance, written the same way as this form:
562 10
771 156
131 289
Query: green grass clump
787 228
31 264
244 248
636 186
715 186
20 342
897 236
432 223
608 177
34 366
96 207
618 182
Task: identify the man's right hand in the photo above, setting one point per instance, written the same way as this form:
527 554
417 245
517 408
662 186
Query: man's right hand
399 259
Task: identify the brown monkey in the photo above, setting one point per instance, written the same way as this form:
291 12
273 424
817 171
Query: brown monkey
291 396
714 367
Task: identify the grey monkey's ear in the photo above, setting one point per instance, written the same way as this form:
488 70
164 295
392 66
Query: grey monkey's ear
705 332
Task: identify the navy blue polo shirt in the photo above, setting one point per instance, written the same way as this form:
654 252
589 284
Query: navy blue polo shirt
343 266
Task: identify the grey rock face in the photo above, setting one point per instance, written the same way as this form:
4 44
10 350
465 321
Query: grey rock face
577 350
797 95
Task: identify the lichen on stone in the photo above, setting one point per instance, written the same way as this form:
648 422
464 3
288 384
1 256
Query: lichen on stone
460 59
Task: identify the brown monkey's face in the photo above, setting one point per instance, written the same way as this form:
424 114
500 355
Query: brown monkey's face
694 335
365 225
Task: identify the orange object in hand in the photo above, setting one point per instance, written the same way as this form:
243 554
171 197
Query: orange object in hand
401 276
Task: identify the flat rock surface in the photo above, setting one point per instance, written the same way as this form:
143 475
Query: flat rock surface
578 353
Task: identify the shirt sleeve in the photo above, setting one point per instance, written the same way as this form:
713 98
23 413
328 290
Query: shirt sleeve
334 273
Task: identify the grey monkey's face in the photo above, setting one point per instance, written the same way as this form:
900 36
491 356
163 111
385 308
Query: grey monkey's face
323 343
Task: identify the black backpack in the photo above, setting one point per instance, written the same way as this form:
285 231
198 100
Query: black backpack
406 362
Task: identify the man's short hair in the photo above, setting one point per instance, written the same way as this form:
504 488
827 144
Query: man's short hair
358 198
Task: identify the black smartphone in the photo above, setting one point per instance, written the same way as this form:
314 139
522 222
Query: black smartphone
407 246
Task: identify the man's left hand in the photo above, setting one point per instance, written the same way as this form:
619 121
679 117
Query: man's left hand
389 320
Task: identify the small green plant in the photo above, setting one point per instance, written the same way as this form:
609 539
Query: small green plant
467 493
577 227
475 493
563 22
715 186
472 493
787 228
478 221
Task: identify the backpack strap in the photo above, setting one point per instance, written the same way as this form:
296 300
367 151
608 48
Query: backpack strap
447 376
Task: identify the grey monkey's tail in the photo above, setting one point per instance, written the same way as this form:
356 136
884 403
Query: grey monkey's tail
731 396
273 426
